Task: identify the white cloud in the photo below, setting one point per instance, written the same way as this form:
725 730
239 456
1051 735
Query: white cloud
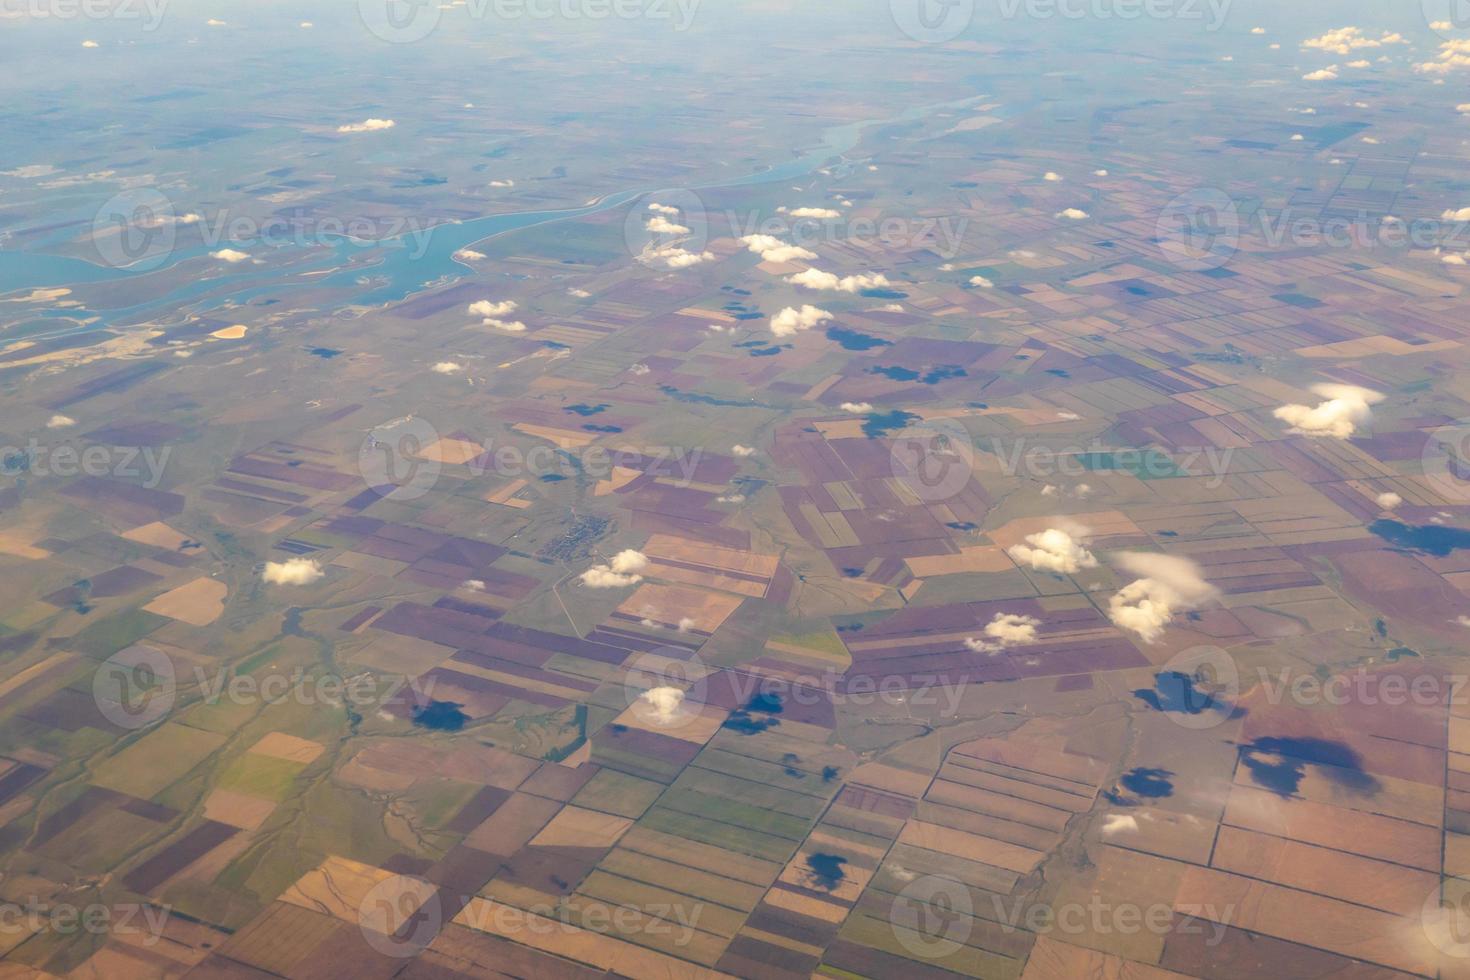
1012 628
1053 550
857 408
468 255
739 450
1462 214
673 257
1258 30
502 183
1452 258
793 321
60 422
230 255
1169 585
817 279
367 126
827 213
578 293
307 25
215 22
1073 214
1345 40
662 208
1452 55
982 282
1371 140
686 623
772 249
1463 107
1099 173
1344 409
622 570
292 571
1321 75
665 702
447 367
1119 823
30 171
1051 175
473 584
1360 63
1389 500
492 315
1297 137
660 225
89 44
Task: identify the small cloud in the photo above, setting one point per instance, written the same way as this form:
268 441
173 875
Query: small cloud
502 183
89 44
857 408
1258 30
665 702
292 571
686 623
772 249
792 321
578 293
473 584
1344 408
230 255
60 422
621 571
468 255
673 257
1099 173
1051 175
660 225
1053 550
1451 258
486 307
1360 63
1462 214
307 25
1389 500
1169 585
663 208
1073 214
1371 140
367 126
982 282
1119 823
1320 75
1297 137
447 367
1345 40
823 213
827 281
743 450
215 22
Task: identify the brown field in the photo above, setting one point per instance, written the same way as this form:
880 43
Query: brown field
197 603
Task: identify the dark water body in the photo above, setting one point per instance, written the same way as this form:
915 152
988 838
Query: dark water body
440 716
1432 539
